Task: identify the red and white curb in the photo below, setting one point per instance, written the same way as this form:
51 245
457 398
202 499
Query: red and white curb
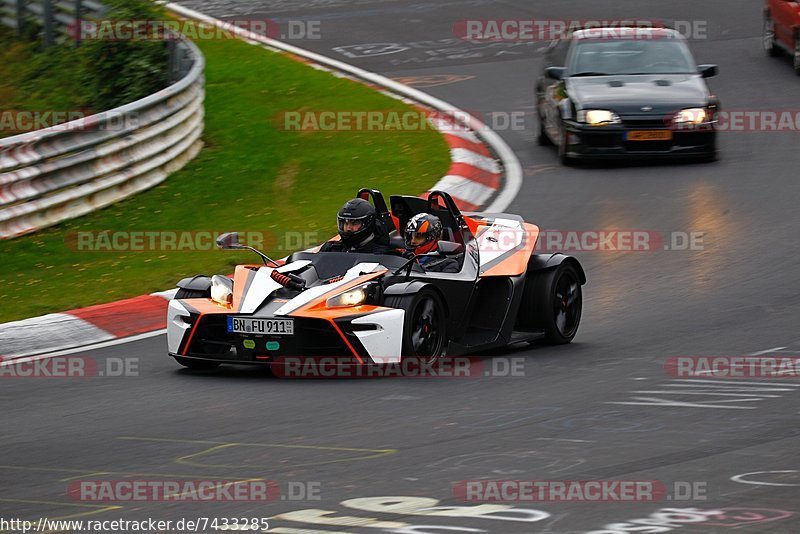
474 176
484 174
83 326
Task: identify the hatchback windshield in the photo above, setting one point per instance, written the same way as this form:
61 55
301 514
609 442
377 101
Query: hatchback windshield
630 56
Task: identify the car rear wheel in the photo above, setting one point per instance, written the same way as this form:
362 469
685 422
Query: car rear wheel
553 301
769 37
424 325
197 365
541 138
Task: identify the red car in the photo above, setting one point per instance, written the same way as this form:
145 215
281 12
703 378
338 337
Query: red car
782 29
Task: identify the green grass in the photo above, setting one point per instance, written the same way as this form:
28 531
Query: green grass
250 177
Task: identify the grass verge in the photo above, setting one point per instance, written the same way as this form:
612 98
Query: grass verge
251 177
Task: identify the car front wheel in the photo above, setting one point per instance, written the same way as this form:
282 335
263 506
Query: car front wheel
562 148
769 37
424 325
796 54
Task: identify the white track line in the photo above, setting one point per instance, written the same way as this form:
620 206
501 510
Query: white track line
104 344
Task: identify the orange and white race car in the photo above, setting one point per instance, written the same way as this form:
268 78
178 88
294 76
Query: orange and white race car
383 308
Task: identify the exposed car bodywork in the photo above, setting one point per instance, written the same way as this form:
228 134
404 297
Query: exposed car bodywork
362 305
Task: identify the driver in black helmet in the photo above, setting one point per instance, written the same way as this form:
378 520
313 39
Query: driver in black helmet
358 230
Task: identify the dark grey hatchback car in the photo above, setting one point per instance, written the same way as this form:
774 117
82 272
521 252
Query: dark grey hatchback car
608 93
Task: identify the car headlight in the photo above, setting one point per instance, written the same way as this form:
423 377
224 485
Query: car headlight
691 116
352 297
221 289
598 117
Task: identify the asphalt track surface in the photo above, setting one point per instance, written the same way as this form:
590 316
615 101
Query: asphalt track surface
562 419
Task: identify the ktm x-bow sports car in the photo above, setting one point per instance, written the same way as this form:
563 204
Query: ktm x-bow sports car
380 309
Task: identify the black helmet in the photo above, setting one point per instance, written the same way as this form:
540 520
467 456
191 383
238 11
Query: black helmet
423 232
356 222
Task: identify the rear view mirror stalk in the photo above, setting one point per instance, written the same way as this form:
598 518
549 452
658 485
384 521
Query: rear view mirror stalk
230 241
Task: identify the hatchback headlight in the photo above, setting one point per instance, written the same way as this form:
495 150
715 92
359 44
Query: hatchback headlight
598 117
691 116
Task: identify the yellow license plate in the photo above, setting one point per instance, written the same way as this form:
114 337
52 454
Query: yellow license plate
650 135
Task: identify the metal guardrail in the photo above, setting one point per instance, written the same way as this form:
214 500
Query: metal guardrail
65 171
51 17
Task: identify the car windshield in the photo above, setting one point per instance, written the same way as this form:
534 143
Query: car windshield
604 57
331 264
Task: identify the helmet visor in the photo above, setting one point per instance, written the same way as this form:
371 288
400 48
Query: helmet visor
416 239
351 225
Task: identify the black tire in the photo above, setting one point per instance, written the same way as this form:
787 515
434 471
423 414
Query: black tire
197 365
796 54
562 149
710 157
552 301
768 37
424 325
541 138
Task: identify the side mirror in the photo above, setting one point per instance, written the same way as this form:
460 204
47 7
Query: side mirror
449 248
555 73
707 71
228 241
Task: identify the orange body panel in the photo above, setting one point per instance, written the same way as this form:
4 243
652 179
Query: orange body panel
240 277
207 306
473 224
517 263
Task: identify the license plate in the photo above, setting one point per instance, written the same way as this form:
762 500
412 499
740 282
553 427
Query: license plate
248 325
650 135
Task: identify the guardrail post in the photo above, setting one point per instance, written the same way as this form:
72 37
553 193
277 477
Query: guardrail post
20 17
47 14
174 55
78 22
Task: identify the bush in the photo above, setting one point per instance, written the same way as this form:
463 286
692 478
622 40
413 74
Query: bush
119 72
96 76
